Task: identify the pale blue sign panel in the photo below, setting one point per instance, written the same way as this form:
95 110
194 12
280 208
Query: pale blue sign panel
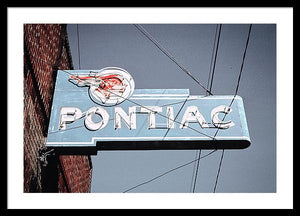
154 119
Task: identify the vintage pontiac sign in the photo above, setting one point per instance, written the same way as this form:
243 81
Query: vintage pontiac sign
102 110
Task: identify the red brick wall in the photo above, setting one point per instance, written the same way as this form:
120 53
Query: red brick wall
80 179
46 49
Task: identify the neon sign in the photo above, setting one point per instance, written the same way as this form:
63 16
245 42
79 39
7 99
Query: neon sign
102 110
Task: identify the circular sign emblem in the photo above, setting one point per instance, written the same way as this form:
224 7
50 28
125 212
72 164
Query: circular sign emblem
108 87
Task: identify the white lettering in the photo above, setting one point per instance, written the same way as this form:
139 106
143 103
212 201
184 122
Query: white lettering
129 119
215 117
151 110
90 124
68 115
170 117
193 115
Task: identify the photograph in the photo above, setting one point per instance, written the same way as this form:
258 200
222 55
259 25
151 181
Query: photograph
125 94
117 108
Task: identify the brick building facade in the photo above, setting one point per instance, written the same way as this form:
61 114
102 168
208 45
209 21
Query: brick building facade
46 49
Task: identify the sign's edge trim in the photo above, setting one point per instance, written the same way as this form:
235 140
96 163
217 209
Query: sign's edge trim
99 139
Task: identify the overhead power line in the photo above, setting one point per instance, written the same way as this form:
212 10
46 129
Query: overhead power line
78 47
217 178
236 91
196 174
215 58
171 170
209 85
168 54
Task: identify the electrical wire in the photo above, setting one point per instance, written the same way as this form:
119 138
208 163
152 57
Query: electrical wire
219 169
196 175
171 170
236 91
78 47
212 58
168 54
242 65
215 59
209 85
240 74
